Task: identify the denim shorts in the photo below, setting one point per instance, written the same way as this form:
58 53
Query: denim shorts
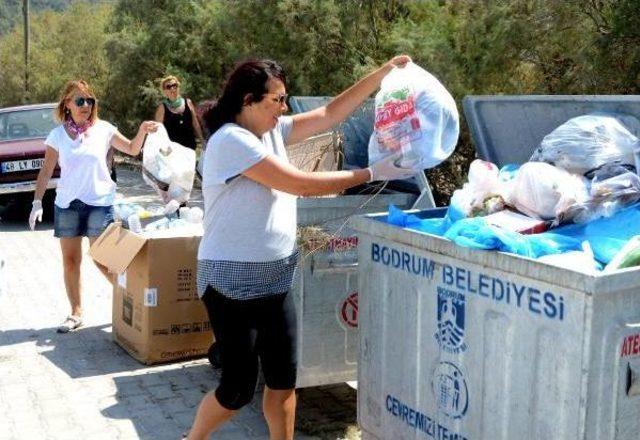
81 220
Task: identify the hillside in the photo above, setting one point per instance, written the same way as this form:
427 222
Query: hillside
11 10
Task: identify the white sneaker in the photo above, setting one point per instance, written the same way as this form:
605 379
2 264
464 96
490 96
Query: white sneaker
70 323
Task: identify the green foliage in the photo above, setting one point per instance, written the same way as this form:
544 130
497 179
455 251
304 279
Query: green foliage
60 50
473 47
11 10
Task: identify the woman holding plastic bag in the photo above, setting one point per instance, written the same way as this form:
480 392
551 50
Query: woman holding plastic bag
247 255
85 191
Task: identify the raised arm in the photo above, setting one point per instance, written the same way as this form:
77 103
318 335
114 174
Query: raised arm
159 116
339 108
133 146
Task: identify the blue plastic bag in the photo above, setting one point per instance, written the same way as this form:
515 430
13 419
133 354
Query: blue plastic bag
605 235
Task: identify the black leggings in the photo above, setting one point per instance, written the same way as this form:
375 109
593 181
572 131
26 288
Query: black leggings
245 331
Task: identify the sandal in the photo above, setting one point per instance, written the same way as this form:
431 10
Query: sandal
70 323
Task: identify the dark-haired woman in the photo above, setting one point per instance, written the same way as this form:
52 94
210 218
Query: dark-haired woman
85 191
247 255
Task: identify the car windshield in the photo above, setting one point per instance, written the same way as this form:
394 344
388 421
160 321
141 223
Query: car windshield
26 124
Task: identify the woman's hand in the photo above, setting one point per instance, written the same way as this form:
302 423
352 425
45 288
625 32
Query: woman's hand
133 147
148 127
390 168
36 213
399 61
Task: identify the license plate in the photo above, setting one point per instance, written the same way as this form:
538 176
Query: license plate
21 165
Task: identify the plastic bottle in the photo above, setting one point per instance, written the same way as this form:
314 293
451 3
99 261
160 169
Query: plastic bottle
134 223
171 207
162 223
183 212
195 215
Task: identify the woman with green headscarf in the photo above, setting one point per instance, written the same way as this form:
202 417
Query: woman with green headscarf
178 114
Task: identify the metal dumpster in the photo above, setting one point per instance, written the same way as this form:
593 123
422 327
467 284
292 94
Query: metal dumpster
464 344
326 285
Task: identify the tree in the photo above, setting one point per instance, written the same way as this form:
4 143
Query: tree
60 50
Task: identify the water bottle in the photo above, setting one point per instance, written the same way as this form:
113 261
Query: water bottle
134 223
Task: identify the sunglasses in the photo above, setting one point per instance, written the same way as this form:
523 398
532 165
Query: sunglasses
280 98
171 86
80 102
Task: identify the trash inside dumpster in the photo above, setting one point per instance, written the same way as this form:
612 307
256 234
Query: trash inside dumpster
460 343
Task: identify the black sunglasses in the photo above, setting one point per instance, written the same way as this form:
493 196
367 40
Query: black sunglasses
171 86
80 101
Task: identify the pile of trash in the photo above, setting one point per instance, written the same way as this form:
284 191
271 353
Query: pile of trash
155 221
580 185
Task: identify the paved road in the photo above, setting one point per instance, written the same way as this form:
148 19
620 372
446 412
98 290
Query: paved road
82 385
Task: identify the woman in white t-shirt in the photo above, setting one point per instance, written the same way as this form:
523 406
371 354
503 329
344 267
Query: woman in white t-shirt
247 255
85 191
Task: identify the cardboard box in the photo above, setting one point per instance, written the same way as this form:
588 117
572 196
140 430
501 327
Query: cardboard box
157 315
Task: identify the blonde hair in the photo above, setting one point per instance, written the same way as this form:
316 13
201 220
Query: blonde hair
69 89
168 78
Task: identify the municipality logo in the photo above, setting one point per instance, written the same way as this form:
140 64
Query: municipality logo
450 390
450 334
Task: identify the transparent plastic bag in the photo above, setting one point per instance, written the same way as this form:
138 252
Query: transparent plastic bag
543 191
168 167
606 197
415 115
483 193
587 142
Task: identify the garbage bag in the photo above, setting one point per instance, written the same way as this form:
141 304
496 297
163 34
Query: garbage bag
168 167
476 233
581 261
628 256
414 115
544 191
606 235
484 193
587 142
606 197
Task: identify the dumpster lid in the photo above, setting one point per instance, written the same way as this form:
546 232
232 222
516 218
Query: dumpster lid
506 129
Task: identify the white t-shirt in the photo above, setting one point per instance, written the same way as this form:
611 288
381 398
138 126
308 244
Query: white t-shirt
244 220
84 174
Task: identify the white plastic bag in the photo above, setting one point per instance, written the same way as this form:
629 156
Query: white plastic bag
168 167
482 194
579 261
587 142
543 191
416 116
